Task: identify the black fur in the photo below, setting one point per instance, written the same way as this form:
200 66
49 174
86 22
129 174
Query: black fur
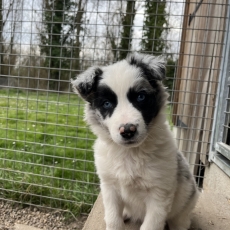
149 73
89 86
154 75
148 107
104 95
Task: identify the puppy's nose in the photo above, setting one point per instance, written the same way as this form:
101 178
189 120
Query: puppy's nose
128 130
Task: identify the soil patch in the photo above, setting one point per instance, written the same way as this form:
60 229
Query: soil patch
11 214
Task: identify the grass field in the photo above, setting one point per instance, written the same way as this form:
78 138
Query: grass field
46 151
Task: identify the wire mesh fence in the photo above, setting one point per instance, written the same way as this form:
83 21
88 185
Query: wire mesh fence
46 156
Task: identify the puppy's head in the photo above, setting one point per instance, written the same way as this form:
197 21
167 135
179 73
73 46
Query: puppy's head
124 98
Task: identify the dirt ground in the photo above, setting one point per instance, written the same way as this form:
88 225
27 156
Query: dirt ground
11 214
211 213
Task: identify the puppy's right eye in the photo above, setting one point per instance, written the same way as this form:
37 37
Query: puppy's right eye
141 97
107 105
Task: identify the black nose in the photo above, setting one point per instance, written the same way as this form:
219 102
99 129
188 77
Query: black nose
128 130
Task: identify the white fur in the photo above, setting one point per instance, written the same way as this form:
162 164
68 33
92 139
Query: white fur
124 112
142 181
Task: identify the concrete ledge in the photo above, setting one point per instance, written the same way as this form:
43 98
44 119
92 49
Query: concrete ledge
24 227
211 213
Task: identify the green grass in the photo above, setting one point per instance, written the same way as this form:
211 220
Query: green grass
46 153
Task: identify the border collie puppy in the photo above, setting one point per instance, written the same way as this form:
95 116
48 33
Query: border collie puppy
142 174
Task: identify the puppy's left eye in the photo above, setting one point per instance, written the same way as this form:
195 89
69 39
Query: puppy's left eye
107 105
141 97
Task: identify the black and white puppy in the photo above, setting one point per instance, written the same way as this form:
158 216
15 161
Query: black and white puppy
143 176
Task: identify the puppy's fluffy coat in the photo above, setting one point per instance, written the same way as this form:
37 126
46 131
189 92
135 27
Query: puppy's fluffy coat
143 176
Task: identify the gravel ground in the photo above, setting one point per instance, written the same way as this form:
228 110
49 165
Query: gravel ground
32 216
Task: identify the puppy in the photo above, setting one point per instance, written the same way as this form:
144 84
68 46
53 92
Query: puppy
142 174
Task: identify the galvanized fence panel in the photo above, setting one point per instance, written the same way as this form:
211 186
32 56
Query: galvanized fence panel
46 156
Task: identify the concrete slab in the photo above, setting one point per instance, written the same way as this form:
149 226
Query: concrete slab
95 220
24 227
211 213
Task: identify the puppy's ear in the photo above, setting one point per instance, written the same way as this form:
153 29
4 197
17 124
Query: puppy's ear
153 68
85 83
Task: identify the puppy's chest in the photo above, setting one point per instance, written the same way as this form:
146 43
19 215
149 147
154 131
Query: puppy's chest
133 173
124 167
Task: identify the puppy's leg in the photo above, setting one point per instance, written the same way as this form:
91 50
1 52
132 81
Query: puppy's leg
179 223
156 213
113 207
183 220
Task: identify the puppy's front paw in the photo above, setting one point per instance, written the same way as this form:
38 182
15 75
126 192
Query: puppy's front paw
115 224
152 226
115 228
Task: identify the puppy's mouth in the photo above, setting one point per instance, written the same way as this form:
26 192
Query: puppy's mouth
133 142
130 142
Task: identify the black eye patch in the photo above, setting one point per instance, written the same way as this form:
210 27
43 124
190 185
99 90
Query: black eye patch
145 102
105 101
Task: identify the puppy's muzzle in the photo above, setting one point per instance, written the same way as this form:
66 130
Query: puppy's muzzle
128 130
